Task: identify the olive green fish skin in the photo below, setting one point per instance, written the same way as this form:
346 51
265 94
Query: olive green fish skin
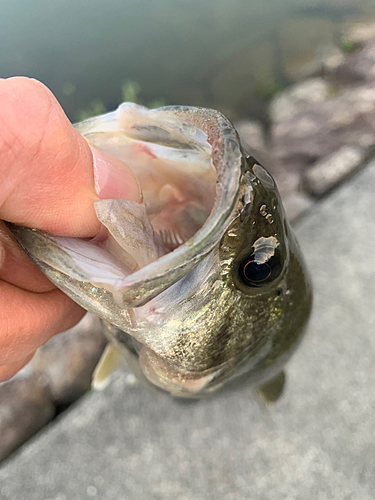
266 323
256 328
212 323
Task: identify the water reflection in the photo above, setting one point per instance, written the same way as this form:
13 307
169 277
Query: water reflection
227 54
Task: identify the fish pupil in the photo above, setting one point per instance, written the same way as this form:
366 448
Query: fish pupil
256 272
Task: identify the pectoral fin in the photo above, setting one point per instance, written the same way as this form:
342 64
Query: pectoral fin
273 389
111 359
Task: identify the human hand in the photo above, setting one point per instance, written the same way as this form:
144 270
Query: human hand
50 179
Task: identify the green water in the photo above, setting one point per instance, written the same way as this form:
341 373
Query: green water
230 54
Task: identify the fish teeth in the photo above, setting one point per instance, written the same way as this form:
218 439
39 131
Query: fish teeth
171 238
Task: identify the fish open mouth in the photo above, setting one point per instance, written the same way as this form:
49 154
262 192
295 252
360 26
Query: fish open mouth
172 160
179 156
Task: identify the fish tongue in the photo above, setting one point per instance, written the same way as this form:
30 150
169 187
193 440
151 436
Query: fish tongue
131 238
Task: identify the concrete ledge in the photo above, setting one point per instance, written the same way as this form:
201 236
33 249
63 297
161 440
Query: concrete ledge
316 442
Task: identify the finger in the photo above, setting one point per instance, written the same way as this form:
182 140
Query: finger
46 167
8 371
17 268
39 316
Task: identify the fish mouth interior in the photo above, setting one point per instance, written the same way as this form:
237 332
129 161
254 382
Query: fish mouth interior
172 160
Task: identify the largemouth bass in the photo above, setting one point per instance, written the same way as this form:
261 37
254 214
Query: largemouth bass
204 280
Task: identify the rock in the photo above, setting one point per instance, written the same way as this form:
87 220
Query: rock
24 409
326 60
303 45
253 140
323 128
358 67
296 204
330 171
331 58
67 361
298 97
360 33
241 76
251 134
314 122
288 181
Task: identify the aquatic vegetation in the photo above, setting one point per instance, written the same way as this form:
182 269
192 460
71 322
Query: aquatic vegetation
130 92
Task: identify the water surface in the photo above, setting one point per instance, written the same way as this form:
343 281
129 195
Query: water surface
230 54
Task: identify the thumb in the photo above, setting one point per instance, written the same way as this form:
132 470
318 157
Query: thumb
50 176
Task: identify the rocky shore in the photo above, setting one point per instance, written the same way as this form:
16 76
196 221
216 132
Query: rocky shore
322 129
319 132
58 375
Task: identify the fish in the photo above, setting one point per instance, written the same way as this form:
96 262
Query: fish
201 284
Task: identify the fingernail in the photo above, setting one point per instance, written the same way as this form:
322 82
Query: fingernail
113 178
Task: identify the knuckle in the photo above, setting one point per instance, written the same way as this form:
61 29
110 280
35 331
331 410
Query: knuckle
25 110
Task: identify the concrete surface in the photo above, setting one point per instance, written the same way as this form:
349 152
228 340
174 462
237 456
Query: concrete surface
317 442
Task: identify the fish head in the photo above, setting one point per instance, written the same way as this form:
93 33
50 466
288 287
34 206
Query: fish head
204 281
241 311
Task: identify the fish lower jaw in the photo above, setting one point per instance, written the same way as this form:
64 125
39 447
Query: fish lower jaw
163 375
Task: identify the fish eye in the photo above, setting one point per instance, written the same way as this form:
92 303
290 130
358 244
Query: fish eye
256 273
